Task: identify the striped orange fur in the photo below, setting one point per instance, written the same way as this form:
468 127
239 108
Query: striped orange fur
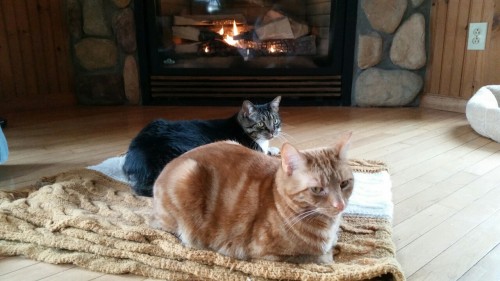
244 204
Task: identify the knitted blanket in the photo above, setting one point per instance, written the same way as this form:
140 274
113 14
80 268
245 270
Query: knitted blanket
90 218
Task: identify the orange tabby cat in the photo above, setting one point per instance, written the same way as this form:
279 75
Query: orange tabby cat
244 204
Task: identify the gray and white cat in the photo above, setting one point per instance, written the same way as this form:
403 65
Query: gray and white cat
162 140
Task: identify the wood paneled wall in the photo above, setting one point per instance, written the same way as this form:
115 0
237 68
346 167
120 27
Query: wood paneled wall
455 73
35 64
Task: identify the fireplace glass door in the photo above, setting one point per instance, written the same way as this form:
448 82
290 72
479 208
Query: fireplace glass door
259 46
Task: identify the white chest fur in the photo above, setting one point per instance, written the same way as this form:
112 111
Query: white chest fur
264 145
332 235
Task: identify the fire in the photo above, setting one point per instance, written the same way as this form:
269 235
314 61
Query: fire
228 38
207 50
235 29
272 49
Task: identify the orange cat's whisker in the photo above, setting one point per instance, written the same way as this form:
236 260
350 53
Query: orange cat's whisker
293 220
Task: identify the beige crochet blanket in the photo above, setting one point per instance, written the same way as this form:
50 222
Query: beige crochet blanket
86 218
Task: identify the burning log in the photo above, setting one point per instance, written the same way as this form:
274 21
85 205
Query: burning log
276 34
194 34
302 46
216 48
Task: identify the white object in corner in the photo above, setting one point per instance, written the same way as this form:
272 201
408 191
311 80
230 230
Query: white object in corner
483 112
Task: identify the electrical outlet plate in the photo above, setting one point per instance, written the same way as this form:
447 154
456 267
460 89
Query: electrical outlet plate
477 35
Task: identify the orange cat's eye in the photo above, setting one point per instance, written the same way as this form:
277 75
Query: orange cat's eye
344 184
318 190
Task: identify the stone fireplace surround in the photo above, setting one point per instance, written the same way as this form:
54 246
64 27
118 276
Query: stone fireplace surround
389 64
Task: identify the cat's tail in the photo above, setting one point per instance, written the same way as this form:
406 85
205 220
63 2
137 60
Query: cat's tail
139 173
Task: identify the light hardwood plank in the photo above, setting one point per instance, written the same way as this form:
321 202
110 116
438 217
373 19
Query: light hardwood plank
486 269
477 243
10 264
440 167
34 272
475 207
73 274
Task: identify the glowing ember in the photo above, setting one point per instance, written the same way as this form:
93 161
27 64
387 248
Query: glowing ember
272 49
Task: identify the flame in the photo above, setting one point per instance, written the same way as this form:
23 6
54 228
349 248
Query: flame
235 29
272 49
230 39
207 49
221 31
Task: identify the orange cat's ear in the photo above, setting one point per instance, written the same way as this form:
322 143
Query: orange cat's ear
247 108
343 144
291 159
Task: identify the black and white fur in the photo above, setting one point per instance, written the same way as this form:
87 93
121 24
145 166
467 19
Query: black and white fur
163 140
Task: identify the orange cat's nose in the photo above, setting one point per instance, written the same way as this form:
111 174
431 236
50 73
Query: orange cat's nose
339 205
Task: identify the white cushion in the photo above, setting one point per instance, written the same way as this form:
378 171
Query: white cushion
483 112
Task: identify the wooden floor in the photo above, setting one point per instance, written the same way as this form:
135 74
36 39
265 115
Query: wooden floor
446 178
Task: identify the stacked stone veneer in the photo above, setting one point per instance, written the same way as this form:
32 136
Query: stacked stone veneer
104 46
389 64
391 52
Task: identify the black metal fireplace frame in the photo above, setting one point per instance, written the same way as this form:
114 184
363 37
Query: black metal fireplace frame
319 86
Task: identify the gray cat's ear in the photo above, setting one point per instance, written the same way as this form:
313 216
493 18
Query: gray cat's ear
247 108
275 104
342 145
291 159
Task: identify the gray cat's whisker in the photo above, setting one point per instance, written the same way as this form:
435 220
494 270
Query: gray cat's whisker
283 134
282 138
286 137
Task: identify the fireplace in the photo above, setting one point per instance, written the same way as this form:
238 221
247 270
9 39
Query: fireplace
201 50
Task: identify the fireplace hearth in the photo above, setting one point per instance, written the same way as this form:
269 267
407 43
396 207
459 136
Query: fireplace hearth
222 49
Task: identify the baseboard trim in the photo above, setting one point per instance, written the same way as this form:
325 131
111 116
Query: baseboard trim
443 103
